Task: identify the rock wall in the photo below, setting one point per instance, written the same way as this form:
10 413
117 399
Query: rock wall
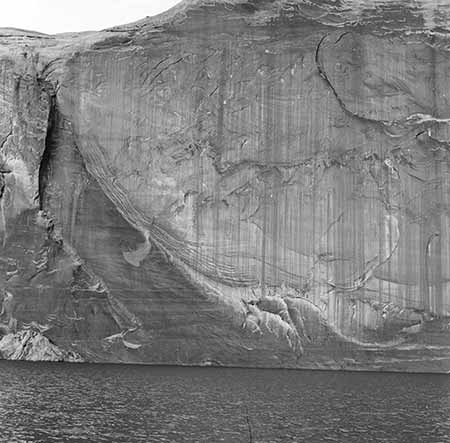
232 183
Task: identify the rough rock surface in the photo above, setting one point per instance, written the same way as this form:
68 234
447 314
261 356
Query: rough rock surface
255 183
31 345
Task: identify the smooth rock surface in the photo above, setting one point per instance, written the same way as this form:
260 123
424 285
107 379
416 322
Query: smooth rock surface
233 183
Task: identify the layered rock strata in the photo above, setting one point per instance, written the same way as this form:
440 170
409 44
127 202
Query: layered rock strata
232 183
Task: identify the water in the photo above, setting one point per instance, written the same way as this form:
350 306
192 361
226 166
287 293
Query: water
61 402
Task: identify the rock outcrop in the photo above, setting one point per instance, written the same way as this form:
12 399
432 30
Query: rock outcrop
31 345
255 183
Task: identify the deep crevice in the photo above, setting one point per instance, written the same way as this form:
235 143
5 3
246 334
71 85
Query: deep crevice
50 144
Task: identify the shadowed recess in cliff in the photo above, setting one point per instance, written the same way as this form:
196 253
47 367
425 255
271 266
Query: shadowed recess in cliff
50 145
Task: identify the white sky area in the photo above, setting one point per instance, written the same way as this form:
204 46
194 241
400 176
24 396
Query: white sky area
55 16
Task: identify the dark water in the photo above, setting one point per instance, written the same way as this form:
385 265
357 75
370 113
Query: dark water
111 403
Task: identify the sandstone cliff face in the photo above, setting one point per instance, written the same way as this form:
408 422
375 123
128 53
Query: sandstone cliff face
234 183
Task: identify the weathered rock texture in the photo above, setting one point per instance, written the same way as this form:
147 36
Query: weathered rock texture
31 345
258 183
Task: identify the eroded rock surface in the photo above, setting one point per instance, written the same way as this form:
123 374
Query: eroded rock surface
31 345
233 183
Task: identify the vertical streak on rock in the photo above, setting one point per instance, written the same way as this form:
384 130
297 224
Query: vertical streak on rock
199 174
337 192
262 141
220 143
330 247
438 302
75 203
423 285
287 218
380 225
295 209
273 147
430 225
240 124
273 126
429 215
436 281
390 239
360 254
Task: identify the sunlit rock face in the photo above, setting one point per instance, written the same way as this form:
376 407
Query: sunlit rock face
233 183
31 345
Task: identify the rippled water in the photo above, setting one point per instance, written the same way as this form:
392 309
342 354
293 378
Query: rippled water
63 402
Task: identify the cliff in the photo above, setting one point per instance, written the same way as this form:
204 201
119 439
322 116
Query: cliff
253 183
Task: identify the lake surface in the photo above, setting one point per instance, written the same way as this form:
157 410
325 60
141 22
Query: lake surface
114 403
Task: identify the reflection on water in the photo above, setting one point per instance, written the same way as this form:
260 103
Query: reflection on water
64 402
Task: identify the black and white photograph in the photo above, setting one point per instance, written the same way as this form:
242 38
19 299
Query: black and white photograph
225 221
